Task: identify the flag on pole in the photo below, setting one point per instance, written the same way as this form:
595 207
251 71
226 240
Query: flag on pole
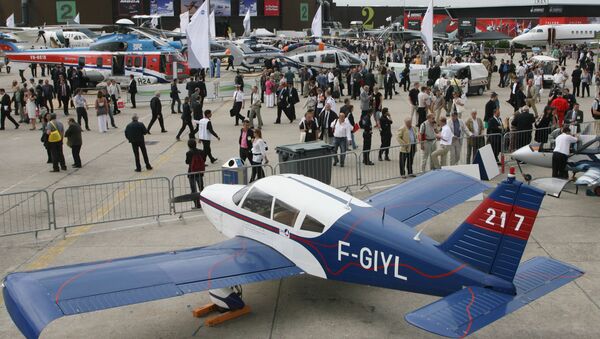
76 19
212 26
154 22
198 38
184 21
10 21
247 28
427 28
317 24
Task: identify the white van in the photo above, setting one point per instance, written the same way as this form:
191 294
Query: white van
475 72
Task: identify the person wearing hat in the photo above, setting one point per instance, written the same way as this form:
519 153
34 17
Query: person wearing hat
238 104
561 153
134 132
156 107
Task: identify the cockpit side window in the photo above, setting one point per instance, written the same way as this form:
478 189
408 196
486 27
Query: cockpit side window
258 202
312 225
284 213
237 197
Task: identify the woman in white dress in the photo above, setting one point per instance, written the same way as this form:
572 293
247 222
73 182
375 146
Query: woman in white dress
102 112
31 107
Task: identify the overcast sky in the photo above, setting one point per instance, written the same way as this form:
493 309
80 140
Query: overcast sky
457 3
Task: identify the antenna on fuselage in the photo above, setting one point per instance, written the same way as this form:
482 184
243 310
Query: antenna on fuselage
348 204
383 216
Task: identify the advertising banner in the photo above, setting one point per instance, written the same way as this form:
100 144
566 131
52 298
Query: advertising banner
220 7
271 7
162 7
248 4
130 7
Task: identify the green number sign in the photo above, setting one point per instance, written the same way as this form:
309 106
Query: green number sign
303 11
65 10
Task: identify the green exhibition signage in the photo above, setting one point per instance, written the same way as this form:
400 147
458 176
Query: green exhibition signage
303 11
65 10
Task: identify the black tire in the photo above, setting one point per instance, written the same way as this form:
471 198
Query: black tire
480 90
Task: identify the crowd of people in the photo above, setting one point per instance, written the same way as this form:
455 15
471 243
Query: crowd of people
435 126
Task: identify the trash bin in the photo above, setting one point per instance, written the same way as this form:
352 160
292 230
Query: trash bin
296 159
234 172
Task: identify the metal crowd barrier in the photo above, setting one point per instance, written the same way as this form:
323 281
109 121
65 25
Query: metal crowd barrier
24 212
112 201
321 167
180 184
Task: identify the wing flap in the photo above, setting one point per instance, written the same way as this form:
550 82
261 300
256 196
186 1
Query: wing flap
472 308
422 198
34 299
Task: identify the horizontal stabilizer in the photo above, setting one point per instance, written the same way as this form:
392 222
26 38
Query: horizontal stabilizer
420 199
472 308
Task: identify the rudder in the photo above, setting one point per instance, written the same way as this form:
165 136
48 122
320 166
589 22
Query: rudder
493 237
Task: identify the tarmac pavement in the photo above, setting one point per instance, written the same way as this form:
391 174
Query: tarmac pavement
298 307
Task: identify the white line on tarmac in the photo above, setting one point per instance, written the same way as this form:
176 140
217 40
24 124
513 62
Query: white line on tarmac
154 222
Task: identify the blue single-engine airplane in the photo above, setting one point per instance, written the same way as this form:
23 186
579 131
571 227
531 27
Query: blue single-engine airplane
286 225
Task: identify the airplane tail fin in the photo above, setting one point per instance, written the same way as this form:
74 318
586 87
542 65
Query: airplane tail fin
493 238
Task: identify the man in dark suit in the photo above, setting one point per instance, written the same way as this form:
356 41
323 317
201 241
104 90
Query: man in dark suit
156 107
283 102
64 95
48 91
5 109
132 89
388 83
490 107
326 117
494 132
175 97
523 122
134 132
574 118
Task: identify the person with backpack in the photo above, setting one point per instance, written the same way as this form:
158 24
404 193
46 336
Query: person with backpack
196 160
56 132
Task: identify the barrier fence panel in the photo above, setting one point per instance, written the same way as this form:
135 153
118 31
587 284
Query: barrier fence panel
421 162
321 168
24 212
113 201
180 184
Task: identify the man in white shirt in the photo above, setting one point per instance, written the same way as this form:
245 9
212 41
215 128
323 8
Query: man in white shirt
558 79
476 141
423 101
445 137
561 153
330 80
342 137
115 93
238 104
205 133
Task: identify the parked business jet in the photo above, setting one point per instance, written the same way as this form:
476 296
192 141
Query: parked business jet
566 34
286 225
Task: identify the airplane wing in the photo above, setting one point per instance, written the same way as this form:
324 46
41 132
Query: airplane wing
591 177
426 196
34 299
466 311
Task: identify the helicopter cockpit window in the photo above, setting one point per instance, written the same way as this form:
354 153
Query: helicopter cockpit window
258 202
328 58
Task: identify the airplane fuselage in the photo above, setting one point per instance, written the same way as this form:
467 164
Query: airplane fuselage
362 246
567 34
